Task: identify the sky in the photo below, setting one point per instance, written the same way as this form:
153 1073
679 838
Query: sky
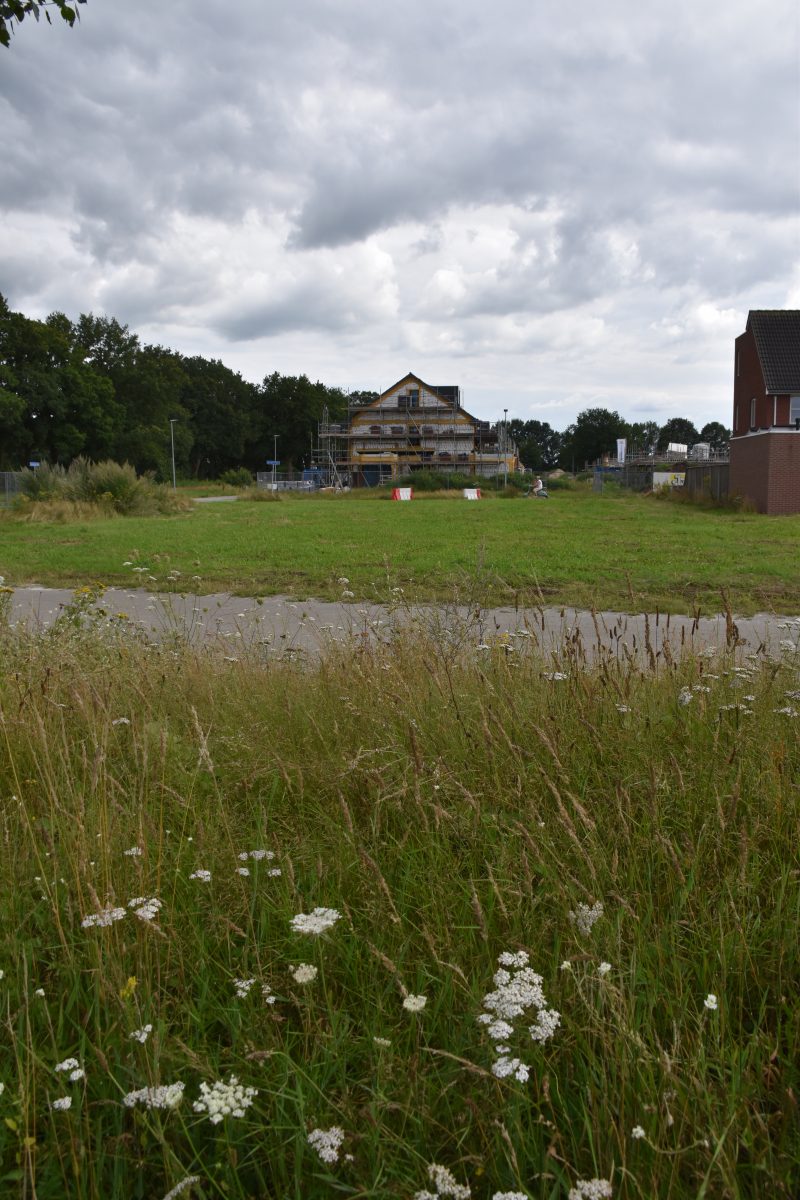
554 204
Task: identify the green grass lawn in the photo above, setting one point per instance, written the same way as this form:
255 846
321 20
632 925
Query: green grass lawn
613 551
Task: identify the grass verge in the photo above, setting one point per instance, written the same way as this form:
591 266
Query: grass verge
168 814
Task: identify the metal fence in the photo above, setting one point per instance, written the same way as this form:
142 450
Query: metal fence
265 480
10 487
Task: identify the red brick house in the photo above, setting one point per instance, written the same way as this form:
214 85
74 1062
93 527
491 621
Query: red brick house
765 445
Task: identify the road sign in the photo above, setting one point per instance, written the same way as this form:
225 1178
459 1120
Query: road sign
273 462
34 464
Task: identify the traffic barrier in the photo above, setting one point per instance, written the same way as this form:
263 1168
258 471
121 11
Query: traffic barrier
472 493
402 494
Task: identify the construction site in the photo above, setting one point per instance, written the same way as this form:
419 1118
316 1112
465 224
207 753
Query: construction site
411 427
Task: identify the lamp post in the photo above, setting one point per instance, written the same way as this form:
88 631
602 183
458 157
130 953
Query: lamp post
172 421
505 447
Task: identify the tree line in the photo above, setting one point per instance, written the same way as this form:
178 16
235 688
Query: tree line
90 387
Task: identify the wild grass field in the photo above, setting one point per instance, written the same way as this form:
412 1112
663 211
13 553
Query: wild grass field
618 551
414 920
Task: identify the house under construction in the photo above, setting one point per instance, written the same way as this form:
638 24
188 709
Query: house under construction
412 427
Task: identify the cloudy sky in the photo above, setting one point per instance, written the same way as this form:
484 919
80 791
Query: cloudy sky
554 203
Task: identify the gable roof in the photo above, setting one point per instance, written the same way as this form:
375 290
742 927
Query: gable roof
777 335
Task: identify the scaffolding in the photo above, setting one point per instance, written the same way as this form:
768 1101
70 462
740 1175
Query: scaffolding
377 444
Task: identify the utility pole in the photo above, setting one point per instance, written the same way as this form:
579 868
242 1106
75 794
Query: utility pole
172 421
505 447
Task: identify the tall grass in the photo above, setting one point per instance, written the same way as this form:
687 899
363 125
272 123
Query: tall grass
452 802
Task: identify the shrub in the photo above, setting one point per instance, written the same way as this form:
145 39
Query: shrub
237 477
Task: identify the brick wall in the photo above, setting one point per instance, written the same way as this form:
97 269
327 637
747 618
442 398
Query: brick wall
747 383
766 469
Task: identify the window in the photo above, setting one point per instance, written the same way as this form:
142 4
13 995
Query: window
753 413
794 409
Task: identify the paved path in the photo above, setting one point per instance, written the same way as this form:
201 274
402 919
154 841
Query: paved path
279 624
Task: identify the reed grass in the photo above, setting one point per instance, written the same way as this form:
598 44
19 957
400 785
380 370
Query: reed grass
452 804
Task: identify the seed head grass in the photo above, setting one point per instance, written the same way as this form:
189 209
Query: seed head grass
434 810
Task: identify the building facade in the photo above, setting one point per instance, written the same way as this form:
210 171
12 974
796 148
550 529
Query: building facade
765 445
414 426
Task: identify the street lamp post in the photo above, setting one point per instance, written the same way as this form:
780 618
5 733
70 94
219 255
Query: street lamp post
172 421
505 447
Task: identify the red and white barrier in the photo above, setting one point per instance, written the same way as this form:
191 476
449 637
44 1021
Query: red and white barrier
472 493
402 493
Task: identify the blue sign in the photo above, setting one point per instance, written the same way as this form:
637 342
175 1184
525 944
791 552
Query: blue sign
34 464
271 462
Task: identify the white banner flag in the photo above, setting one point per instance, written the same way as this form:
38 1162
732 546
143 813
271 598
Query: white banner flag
622 445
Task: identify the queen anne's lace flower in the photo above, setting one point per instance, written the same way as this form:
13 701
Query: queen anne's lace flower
62 1104
547 1022
304 973
242 987
591 1189
315 922
585 917
106 916
141 1035
504 1066
327 1143
146 907
224 1099
256 855
69 1064
164 1095
414 1004
202 874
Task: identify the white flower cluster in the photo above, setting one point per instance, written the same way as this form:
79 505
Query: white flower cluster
711 1002
145 907
414 1004
445 1185
327 1143
72 1066
242 987
637 1133
134 852
106 916
62 1104
243 871
509 1196
603 969
585 917
201 874
590 1189
164 1095
555 676
304 973
256 855
266 992
141 1035
516 991
315 922
224 1099
684 697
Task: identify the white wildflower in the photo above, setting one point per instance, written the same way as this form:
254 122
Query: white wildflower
62 1104
134 852
274 872
242 987
637 1132
603 969
243 871
684 697
343 580
69 1064
590 1189
585 917
106 917
202 874
623 708
509 959
547 1022
266 992
787 711
380 1041
141 1035
509 1196
304 973
39 992
445 1183
499 1029
710 1002
566 965
147 908
77 1074
121 721
224 1099
316 922
164 1095
327 1143
504 1066
414 1004
555 676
